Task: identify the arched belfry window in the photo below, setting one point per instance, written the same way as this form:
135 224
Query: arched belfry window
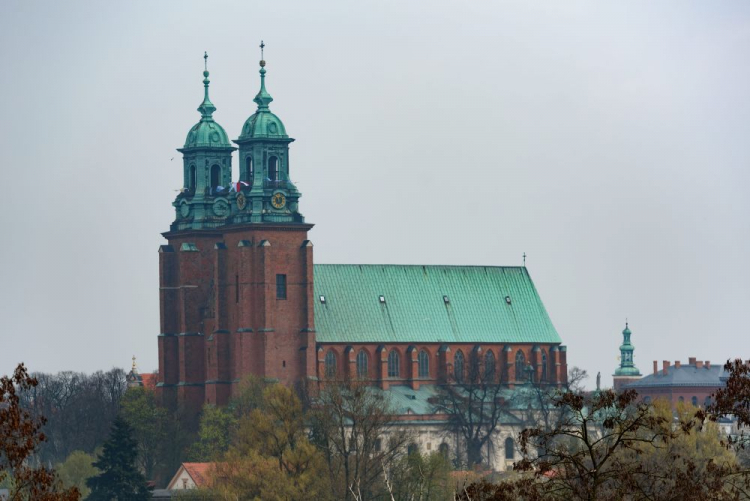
489 367
393 364
362 369
192 179
424 364
509 448
273 169
249 169
215 176
330 364
458 366
544 366
520 365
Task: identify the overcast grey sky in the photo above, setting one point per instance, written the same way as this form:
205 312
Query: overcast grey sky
608 141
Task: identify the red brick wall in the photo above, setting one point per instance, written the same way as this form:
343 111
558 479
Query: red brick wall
440 361
220 317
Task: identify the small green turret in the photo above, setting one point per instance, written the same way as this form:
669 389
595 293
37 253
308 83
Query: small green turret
627 371
207 171
264 164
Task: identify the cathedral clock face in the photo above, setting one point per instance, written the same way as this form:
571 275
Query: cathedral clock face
278 200
241 201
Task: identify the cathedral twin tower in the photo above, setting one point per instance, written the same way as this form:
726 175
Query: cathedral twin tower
236 274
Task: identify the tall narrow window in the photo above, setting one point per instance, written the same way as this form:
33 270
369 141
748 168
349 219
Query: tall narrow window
444 448
509 448
330 364
458 366
474 367
236 288
489 367
192 181
393 364
362 369
249 169
280 286
215 176
544 367
520 365
273 169
424 364
694 401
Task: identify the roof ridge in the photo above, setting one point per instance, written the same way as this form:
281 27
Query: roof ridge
422 265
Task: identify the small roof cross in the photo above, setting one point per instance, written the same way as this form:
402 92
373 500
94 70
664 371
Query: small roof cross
205 61
524 259
262 46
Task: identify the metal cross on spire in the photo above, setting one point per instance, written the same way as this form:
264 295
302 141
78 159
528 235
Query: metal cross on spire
262 46
205 61
524 259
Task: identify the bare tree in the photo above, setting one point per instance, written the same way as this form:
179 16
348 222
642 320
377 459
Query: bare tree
472 399
353 423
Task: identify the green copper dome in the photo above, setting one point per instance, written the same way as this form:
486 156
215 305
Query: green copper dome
207 133
263 123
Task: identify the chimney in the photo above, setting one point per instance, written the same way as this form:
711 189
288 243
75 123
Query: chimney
656 367
699 364
691 361
707 364
677 364
665 366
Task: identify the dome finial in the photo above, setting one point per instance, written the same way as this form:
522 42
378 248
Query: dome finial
263 98
206 108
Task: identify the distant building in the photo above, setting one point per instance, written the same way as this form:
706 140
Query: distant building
191 476
693 382
138 380
627 372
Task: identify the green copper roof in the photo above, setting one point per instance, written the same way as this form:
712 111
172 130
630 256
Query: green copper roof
263 123
429 304
207 133
627 366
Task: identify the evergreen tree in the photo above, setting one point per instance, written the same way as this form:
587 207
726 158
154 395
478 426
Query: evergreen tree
120 478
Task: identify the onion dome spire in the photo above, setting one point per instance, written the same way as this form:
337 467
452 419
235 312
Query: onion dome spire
206 108
263 98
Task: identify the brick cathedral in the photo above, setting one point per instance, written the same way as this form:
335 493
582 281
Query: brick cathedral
240 293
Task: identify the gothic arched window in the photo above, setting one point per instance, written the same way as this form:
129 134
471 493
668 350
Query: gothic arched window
393 364
544 366
489 367
215 176
362 371
273 169
509 448
424 364
330 364
520 365
458 366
